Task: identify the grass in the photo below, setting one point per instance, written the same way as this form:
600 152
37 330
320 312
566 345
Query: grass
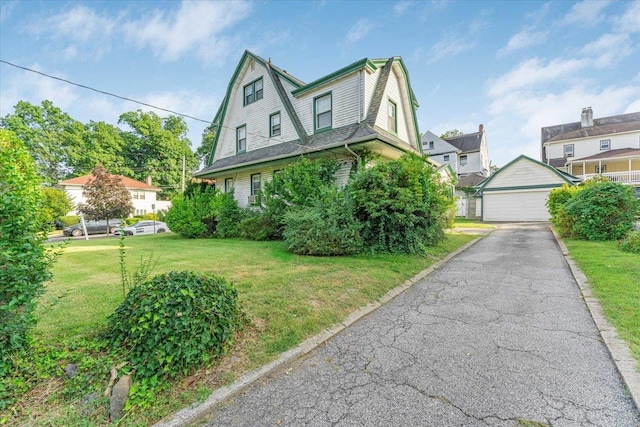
614 277
470 223
287 297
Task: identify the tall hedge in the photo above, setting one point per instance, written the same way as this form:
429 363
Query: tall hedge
24 263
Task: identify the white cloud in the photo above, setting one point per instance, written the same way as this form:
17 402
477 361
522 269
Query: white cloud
633 107
84 33
525 38
358 31
609 49
195 27
586 13
630 21
450 46
532 72
401 7
6 8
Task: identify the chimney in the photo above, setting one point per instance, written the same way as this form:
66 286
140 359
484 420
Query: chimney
148 180
481 128
586 119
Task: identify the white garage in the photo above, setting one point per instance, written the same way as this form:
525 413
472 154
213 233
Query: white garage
519 190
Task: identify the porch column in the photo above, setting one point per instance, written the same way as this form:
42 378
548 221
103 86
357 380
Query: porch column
584 171
600 167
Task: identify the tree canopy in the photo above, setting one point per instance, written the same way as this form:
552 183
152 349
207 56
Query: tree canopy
106 197
450 133
147 146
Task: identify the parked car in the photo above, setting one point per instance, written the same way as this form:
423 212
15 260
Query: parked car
93 227
144 227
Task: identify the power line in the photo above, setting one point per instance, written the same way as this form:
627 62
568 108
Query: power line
104 92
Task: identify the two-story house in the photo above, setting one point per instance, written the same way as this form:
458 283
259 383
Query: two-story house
468 156
143 194
609 146
269 118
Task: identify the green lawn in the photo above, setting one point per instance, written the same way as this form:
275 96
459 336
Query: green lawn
470 223
615 280
287 297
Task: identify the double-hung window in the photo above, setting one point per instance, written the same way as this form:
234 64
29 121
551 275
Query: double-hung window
241 139
605 144
463 160
445 158
253 91
256 181
322 112
274 124
568 150
228 185
392 117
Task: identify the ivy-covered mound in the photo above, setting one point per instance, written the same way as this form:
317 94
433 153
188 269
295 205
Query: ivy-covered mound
175 321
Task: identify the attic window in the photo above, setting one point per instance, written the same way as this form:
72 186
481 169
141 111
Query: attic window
392 117
430 145
605 144
274 124
253 91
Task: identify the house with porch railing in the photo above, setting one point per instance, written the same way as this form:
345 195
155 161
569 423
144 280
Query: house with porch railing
608 146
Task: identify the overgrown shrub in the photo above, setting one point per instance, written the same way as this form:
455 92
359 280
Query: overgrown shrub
24 263
602 211
402 205
229 216
175 322
630 243
327 228
299 184
55 204
69 220
558 197
257 225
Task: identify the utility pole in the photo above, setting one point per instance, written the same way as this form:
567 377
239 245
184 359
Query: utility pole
183 171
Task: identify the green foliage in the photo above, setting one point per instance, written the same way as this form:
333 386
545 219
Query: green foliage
69 220
175 322
257 225
602 211
630 242
450 133
402 205
327 228
106 197
229 216
558 197
299 184
129 280
55 204
25 265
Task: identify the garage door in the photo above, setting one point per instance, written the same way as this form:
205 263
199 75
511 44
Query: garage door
515 206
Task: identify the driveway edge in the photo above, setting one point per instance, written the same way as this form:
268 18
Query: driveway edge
198 411
625 363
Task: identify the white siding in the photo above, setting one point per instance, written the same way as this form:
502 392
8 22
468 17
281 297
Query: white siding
141 205
519 205
394 93
586 147
342 175
523 173
474 163
370 82
255 115
242 184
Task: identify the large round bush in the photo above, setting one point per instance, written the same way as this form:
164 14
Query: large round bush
175 321
602 211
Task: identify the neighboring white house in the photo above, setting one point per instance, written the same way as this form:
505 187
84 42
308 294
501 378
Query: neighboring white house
519 190
609 146
143 195
269 118
468 156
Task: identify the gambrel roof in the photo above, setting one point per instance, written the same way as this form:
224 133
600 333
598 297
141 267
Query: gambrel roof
365 130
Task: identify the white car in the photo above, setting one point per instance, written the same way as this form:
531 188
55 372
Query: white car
143 227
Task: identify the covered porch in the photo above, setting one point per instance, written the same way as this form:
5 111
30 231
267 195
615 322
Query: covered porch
622 165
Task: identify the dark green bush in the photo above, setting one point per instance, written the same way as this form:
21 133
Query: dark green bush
24 263
192 213
175 322
257 225
602 211
402 205
229 216
300 183
630 243
327 228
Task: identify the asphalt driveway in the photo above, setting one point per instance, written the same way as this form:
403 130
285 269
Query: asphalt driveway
498 336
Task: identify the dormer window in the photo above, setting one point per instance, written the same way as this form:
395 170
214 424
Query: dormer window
322 112
253 91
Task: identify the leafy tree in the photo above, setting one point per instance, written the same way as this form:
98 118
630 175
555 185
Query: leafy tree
450 133
106 197
24 263
55 204
204 150
155 146
102 144
51 136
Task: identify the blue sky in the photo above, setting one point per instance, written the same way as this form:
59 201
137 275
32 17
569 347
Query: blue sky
513 66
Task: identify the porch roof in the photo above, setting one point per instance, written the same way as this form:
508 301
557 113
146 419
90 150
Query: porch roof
611 154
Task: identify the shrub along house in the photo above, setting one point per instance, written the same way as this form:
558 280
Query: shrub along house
269 118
